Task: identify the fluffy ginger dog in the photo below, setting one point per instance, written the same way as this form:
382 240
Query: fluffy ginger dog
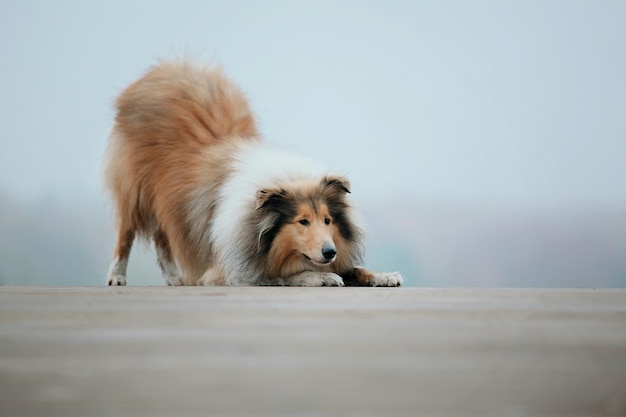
186 168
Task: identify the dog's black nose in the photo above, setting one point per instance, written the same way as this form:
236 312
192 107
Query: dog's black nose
328 252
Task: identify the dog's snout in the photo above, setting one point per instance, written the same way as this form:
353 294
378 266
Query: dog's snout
329 252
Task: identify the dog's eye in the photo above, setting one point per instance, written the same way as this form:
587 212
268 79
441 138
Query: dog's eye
327 221
304 222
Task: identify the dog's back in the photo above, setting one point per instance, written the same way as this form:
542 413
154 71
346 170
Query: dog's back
164 121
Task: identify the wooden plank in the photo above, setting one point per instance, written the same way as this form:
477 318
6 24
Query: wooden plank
159 351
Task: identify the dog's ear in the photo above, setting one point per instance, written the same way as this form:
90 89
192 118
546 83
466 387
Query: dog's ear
269 197
338 183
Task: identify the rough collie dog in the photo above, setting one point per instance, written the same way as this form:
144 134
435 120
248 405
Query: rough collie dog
186 168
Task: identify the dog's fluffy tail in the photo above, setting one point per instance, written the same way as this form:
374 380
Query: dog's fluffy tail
177 101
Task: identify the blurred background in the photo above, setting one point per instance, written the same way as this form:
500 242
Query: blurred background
485 140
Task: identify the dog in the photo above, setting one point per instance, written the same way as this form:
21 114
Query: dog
186 168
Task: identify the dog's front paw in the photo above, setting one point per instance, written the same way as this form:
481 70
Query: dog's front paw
306 279
317 279
114 280
328 279
386 279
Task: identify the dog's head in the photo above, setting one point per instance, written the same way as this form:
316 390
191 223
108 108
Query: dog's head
304 225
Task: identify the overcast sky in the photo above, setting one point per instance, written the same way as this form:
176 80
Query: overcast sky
513 103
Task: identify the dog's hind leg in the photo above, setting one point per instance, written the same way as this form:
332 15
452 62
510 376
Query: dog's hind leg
170 272
117 270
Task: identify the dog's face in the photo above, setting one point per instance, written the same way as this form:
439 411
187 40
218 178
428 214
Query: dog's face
311 233
303 226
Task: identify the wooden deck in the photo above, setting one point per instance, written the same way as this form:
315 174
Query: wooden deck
159 351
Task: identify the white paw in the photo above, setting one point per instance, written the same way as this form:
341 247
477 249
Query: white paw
311 279
386 279
323 279
306 279
116 280
169 271
173 280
